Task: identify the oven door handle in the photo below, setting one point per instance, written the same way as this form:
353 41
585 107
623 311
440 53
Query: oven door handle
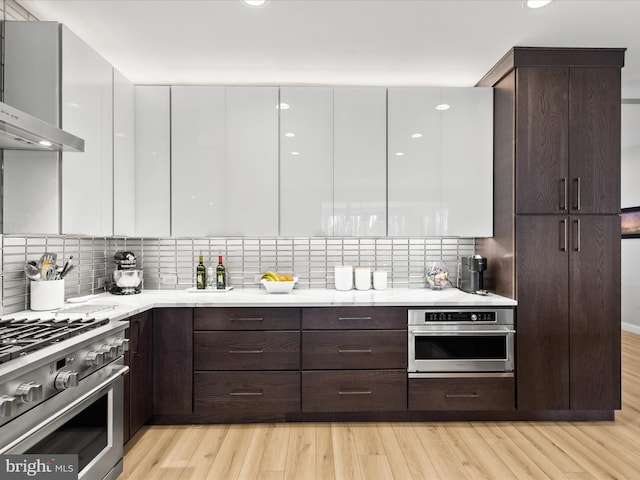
115 375
423 333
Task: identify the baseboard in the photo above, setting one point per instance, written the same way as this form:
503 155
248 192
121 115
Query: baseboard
631 327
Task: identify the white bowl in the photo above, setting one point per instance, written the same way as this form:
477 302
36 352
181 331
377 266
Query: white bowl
279 287
127 278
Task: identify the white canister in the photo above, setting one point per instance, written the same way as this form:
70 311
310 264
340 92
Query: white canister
47 294
363 278
379 280
343 277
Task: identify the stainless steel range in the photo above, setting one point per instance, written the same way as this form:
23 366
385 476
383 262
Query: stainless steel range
61 388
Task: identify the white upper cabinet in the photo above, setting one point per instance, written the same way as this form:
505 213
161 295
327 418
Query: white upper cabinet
359 178
31 193
440 161
198 161
153 161
306 161
87 111
251 161
124 167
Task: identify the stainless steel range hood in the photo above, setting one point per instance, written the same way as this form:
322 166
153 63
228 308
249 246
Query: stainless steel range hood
21 131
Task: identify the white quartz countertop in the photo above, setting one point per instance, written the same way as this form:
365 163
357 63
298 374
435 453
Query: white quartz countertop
117 307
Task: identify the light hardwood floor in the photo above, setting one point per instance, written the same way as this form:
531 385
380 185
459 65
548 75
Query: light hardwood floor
371 451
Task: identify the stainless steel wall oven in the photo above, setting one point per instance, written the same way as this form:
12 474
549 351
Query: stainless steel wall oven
461 340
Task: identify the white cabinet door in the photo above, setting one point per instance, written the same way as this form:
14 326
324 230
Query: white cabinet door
306 161
31 193
467 167
440 162
87 111
359 179
198 172
414 162
153 162
124 167
252 161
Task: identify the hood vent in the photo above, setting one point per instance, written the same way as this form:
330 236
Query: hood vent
21 131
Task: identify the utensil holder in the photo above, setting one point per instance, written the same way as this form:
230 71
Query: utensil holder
47 295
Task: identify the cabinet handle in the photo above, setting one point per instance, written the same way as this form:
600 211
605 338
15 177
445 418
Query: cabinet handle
246 394
563 193
578 194
461 395
246 351
247 319
354 392
136 352
563 235
577 246
354 318
354 350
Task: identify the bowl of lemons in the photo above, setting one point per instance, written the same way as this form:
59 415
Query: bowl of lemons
275 282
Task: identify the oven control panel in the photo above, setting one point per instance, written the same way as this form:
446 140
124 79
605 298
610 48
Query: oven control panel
471 315
465 316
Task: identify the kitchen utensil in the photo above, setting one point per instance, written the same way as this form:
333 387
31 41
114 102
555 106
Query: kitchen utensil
51 272
66 272
46 259
66 266
31 271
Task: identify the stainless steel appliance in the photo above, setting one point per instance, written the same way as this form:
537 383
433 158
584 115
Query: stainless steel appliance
61 389
127 279
461 340
470 276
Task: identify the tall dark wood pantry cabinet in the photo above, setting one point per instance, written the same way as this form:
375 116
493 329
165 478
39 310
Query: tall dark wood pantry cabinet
556 244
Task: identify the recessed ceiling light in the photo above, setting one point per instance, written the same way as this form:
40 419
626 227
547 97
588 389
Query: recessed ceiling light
283 106
74 105
290 134
45 143
416 135
255 3
295 153
443 106
537 3
399 154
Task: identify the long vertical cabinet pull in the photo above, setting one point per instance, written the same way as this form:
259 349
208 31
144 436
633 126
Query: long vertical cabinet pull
577 241
578 194
563 193
563 235
136 350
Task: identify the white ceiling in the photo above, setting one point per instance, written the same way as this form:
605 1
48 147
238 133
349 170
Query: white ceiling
346 42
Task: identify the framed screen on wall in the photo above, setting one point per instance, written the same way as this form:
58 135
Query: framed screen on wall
630 222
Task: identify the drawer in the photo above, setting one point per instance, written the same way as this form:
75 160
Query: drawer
246 350
353 349
349 318
246 318
354 391
246 394
472 393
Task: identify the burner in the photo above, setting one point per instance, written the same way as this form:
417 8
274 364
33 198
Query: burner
20 336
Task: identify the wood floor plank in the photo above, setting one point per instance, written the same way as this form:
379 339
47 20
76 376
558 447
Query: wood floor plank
400 451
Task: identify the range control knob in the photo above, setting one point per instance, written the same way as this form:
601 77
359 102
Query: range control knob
8 406
29 392
66 379
474 317
94 359
122 344
110 351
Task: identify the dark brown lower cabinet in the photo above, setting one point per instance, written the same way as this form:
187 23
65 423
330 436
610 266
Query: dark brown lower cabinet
354 390
172 361
483 393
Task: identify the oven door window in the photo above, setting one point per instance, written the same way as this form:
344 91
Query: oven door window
460 347
85 435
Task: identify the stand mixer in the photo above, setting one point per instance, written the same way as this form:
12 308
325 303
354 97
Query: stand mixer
127 278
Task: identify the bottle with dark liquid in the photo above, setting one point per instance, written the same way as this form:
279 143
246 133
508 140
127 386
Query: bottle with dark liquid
201 275
221 275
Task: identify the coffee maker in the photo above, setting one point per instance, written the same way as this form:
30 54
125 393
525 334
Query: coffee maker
470 274
127 279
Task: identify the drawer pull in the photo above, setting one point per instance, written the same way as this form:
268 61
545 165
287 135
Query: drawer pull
354 350
246 394
354 318
247 319
246 351
461 395
354 392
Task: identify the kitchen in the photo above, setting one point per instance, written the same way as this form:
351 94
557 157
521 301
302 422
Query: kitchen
167 258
